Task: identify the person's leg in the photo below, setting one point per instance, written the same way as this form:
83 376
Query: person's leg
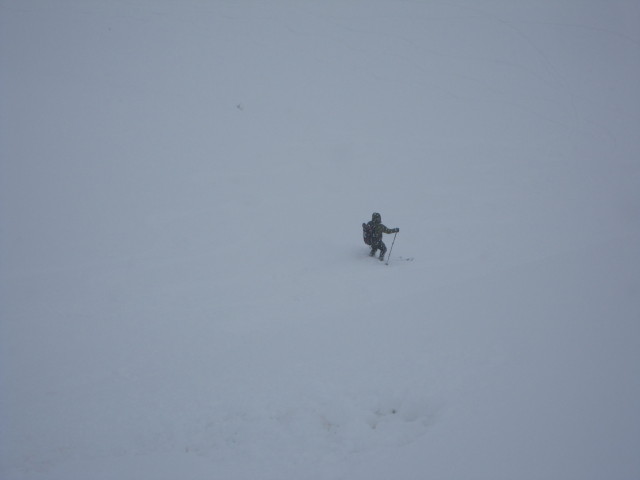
383 250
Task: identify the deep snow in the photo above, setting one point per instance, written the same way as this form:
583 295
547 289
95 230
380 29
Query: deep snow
184 292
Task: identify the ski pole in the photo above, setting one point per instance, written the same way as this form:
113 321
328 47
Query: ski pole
394 241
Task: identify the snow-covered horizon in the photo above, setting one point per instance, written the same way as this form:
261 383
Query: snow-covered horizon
184 291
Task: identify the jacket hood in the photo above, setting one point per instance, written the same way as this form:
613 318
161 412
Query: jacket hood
376 217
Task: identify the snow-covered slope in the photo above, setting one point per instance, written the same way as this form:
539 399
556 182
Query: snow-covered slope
184 292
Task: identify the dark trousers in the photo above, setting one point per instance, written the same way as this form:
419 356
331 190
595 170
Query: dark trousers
378 246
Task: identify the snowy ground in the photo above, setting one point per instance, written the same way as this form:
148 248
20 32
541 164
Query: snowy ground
184 293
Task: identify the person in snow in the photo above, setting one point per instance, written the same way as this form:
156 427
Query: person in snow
377 229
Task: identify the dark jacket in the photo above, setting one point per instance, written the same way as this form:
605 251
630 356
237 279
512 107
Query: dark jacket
378 228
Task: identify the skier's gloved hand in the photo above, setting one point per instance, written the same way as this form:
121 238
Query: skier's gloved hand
397 230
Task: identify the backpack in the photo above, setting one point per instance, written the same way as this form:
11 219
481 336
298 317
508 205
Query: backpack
367 233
